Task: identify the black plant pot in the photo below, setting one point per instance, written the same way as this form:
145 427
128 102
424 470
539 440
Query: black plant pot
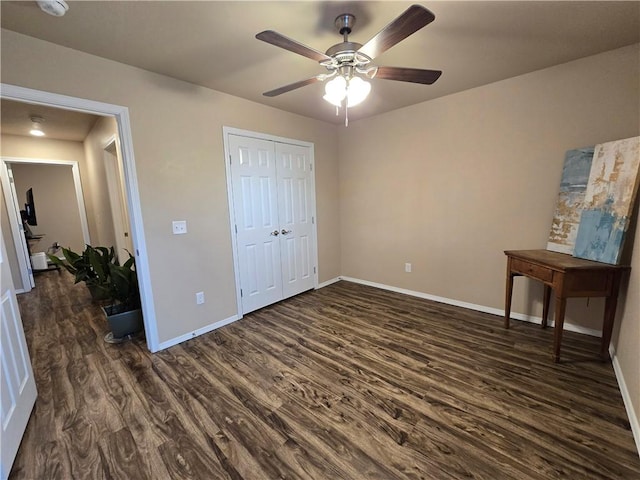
123 324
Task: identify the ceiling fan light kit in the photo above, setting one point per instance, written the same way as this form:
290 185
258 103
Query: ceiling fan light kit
349 63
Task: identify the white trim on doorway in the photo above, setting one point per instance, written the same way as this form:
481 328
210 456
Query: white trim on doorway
121 114
226 131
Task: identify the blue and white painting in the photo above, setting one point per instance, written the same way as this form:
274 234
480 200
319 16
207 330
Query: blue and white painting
573 186
608 202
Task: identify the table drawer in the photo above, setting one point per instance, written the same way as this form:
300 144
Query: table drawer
531 270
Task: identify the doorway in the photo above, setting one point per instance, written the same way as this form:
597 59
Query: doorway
121 115
117 199
57 182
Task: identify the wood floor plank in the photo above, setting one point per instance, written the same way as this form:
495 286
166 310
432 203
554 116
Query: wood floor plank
347 382
121 457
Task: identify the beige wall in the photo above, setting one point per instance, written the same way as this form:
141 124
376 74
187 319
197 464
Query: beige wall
449 184
33 148
177 137
57 211
95 182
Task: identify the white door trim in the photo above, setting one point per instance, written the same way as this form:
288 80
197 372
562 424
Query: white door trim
121 114
15 224
226 131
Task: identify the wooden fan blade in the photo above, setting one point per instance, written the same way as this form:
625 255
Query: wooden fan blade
415 75
291 86
279 40
412 20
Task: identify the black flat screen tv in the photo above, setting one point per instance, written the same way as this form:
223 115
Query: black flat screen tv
30 209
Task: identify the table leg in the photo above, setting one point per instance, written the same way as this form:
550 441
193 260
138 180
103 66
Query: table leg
545 305
561 304
507 298
609 316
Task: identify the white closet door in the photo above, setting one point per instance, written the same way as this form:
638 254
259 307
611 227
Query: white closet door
295 211
254 184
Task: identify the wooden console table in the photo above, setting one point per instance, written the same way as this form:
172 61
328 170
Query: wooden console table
567 277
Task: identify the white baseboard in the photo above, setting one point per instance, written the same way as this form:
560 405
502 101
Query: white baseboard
626 398
328 282
198 332
472 306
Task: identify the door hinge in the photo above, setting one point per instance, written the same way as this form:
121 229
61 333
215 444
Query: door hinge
313 220
241 293
229 159
311 167
314 269
236 227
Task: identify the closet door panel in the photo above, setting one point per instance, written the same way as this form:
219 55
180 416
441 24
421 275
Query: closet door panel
295 176
255 198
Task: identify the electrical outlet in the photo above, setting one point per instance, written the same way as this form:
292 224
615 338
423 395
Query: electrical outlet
199 298
179 227
407 267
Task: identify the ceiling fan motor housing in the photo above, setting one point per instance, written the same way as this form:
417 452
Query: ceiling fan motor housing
343 49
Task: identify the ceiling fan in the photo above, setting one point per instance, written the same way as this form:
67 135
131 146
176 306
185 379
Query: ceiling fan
348 62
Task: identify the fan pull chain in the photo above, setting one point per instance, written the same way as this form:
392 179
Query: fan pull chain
337 111
346 116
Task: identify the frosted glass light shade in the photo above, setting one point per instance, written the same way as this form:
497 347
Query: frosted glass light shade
335 91
36 131
357 91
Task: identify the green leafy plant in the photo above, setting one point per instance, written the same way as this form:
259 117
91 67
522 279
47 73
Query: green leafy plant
99 269
92 267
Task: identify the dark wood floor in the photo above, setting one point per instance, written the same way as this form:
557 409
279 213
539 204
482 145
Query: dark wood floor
348 382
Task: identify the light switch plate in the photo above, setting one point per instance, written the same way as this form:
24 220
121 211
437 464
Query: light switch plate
179 227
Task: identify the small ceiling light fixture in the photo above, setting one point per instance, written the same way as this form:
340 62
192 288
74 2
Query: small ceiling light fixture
57 8
36 129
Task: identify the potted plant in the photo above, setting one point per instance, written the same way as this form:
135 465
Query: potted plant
123 313
114 285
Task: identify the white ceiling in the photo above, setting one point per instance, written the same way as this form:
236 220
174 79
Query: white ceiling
212 43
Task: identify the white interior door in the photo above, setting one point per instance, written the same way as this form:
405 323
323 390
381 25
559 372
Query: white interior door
17 384
295 212
254 185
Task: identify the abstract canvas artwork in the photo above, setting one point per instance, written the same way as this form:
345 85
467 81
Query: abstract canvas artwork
608 201
573 186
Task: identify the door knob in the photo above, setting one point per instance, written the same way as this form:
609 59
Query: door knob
275 233
285 232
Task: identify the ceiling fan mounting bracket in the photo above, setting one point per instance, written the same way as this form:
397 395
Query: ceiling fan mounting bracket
345 23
